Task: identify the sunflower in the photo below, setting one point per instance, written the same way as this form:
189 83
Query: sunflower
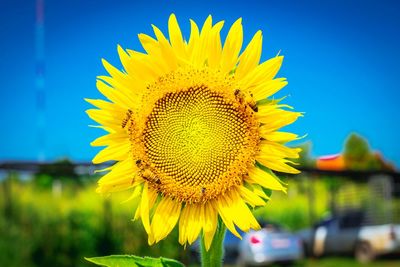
192 131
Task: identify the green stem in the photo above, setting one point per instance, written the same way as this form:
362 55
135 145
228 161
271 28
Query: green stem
213 257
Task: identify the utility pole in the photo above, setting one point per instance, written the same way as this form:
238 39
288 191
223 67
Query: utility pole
40 81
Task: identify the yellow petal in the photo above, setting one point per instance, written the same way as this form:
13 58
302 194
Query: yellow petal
123 170
175 36
137 213
232 46
134 195
264 72
268 88
116 152
250 197
140 67
113 94
104 117
113 71
274 119
165 218
190 223
111 138
120 81
146 67
101 104
194 223
246 220
224 210
250 58
121 177
215 47
183 225
125 60
145 207
104 169
266 180
166 49
200 52
276 164
150 45
194 37
258 190
121 186
113 110
210 224
278 150
280 137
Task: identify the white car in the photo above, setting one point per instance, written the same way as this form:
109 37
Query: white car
269 245
346 234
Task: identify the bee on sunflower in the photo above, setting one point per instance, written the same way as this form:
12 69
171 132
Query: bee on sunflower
192 130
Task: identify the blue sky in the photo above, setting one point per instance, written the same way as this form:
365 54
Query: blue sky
341 60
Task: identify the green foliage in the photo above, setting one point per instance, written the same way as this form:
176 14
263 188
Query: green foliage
60 230
358 155
133 261
62 170
291 210
356 148
305 159
357 152
48 229
63 166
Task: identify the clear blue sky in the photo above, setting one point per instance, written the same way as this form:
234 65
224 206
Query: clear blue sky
341 60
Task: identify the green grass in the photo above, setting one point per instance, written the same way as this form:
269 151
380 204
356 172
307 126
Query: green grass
349 262
337 262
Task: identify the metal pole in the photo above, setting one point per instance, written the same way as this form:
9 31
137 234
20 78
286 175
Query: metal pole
39 81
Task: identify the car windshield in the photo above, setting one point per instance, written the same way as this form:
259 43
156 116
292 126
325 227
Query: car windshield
325 222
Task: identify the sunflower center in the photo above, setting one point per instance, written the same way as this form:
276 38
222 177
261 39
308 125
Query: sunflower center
196 143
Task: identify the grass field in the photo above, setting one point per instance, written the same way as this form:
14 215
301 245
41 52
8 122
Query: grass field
339 262
344 262
53 227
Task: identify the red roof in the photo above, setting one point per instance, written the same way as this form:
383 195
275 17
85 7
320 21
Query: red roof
331 162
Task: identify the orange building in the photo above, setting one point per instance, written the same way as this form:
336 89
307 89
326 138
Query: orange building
331 163
337 162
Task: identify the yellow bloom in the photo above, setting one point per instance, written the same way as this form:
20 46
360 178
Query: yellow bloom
192 130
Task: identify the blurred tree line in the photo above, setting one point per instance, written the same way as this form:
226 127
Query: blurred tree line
359 156
62 170
357 153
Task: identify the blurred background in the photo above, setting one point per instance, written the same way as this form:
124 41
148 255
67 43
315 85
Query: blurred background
341 60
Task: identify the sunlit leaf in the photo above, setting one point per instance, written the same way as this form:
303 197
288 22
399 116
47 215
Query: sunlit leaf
133 261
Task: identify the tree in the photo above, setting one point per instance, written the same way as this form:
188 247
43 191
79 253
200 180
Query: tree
358 155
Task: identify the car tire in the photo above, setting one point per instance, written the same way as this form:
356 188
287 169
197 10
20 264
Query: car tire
364 252
305 249
240 262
